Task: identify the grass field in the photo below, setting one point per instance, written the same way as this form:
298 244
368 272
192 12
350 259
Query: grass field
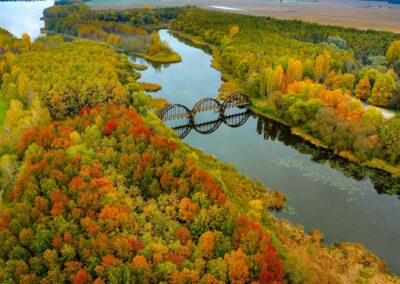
3 109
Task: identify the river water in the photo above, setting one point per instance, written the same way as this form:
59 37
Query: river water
343 201
23 17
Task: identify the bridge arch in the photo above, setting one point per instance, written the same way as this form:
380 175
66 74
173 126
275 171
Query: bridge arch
175 111
206 104
208 112
238 100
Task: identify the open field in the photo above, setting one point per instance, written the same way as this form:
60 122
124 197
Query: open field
350 13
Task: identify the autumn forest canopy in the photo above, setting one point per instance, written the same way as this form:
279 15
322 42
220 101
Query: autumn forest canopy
95 189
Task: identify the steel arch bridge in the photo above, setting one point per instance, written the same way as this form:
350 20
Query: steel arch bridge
215 113
178 111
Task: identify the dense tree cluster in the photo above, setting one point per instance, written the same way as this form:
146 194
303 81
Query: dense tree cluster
311 85
119 28
159 51
103 198
52 79
78 20
65 79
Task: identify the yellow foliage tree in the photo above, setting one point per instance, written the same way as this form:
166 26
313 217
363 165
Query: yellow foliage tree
233 30
321 68
393 52
294 71
363 89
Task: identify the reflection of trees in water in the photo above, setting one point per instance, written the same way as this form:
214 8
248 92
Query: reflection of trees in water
190 43
383 182
155 65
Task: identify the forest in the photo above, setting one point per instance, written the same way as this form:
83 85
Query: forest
127 30
95 189
311 77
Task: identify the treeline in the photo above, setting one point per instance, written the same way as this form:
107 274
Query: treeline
310 86
119 28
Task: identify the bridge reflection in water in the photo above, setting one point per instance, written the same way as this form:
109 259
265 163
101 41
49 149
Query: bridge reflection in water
207 115
235 120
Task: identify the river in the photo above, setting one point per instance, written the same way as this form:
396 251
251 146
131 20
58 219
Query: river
323 192
23 17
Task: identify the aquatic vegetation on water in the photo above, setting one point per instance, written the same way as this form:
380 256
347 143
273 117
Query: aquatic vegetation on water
321 173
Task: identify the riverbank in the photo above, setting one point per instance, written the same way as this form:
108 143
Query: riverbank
373 164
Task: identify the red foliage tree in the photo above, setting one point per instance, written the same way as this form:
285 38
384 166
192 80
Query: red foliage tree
271 267
111 125
178 260
183 235
82 277
84 110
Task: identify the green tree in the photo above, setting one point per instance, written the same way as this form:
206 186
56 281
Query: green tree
384 88
347 81
393 52
390 135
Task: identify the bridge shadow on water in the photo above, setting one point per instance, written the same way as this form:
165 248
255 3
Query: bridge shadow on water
208 114
208 127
